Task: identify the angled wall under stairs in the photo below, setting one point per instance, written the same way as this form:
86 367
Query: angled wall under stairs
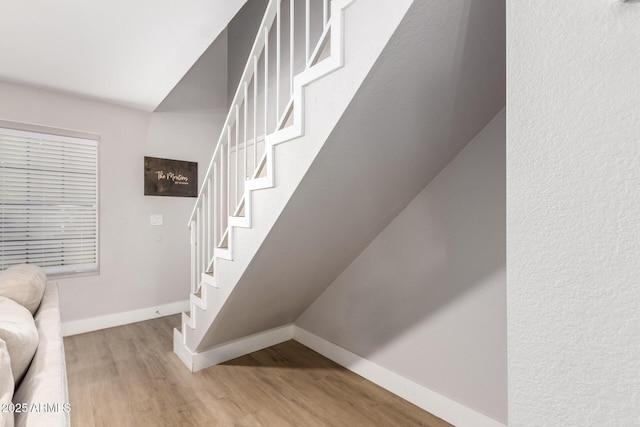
376 131
322 110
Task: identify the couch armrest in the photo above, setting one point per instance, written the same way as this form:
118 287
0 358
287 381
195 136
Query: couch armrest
43 391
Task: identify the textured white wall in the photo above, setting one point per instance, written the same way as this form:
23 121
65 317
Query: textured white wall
426 299
137 270
573 174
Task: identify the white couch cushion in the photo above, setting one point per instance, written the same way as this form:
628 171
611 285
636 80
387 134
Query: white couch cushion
6 387
23 283
46 379
18 331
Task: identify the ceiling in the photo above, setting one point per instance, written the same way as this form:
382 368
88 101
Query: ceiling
125 52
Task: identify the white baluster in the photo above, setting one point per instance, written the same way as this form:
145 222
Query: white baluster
197 247
244 133
266 81
228 177
214 210
291 44
202 238
255 114
210 220
194 257
237 171
278 60
325 13
307 45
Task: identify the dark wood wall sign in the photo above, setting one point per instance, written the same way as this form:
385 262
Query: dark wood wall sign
164 177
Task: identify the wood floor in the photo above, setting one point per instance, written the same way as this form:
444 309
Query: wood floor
129 376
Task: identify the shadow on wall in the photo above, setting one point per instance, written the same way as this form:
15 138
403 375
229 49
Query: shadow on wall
427 298
451 241
473 57
204 87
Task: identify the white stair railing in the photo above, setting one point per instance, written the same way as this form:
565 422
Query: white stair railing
293 36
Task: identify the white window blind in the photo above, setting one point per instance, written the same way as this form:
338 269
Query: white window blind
48 201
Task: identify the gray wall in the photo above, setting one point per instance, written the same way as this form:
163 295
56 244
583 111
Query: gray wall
426 299
140 266
242 31
204 86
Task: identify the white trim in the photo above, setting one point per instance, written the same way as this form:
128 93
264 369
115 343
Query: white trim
30 127
181 350
89 164
118 319
435 403
233 349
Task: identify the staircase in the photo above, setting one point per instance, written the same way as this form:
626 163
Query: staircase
276 222
298 42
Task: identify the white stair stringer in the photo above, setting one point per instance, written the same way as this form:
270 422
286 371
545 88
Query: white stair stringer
208 285
212 296
317 110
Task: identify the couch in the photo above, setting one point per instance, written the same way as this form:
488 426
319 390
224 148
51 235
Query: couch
40 396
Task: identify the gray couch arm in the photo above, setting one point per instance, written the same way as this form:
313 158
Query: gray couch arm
43 391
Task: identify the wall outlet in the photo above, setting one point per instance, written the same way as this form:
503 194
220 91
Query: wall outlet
155 220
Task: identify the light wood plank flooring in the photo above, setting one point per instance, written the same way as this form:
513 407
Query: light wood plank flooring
129 376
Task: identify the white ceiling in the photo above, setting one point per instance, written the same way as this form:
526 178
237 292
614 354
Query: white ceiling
128 52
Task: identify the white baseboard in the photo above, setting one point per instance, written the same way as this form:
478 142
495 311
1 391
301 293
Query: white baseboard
240 347
118 319
440 406
429 400
181 350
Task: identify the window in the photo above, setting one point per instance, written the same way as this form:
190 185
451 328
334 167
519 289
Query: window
48 200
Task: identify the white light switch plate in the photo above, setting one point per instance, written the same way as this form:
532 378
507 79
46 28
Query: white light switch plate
155 220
